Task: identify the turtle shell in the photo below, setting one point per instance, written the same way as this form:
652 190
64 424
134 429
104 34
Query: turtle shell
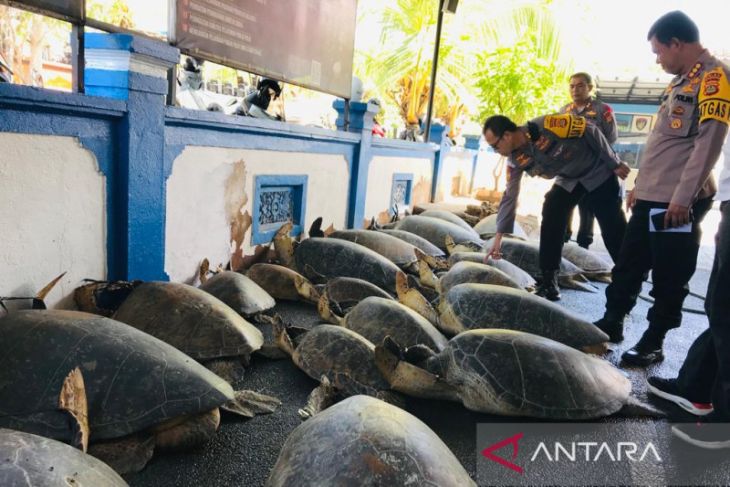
239 292
133 380
190 320
435 230
277 280
450 217
519 374
526 256
27 459
324 258
474 306
346 292
398 251
375 318
487 227
591 263
522 278
466 272
346 358
423 245
366 441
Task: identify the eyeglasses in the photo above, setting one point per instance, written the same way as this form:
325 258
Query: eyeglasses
496 144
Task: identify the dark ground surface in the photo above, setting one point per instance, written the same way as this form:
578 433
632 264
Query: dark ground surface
243 452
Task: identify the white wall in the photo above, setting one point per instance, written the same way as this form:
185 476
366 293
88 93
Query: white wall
455 175
209 186
380 183
52 216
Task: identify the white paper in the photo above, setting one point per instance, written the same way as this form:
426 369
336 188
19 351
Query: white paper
686 228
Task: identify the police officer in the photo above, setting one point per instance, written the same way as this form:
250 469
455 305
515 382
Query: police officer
600 114
565 147
674 181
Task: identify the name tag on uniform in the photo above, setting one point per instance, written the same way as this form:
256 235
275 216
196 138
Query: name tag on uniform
656 222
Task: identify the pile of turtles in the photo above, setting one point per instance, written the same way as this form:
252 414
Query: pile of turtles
410 309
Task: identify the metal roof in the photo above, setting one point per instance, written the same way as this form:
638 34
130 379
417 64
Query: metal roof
630 91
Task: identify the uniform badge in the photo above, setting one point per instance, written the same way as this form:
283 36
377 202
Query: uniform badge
690 88
679 111
676 123
591 114
695 69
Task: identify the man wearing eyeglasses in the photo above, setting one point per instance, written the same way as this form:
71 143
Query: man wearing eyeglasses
565 147
601 115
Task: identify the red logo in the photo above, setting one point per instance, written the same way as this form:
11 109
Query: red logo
513 440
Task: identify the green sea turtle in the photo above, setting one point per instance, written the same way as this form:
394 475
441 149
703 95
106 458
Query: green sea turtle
436 230
320 259
143 395
283 283
522 278
526 255
473 306
450 217
423 245
364 441
487 227
342 360
511 373
342 293
33 460
239 292
594 267
194 322
375 318
398 251
463 272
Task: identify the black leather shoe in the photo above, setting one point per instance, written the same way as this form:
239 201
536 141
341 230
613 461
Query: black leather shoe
648 350
548 287
612 327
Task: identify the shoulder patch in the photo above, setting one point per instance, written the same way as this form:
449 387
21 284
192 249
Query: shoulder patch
565 126
714 96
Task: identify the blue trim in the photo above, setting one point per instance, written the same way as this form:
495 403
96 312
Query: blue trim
408 179
474 161
159 50
297 185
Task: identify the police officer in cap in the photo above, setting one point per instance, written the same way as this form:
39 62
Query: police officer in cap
565 147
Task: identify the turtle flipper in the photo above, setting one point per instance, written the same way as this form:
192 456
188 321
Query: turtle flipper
426 275
230 369
322 397
249 403
194 431
573 282
284 246
270 349
414 299
306 290
325 312
126 455
72 399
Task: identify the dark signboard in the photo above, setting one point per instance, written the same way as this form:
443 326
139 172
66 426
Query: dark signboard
305 42
65 9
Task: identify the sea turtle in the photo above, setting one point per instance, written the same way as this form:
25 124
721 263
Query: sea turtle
340 359
365 441
450 217
421 243
342 293
473 306
239 292
526 255
33 460
140 391
463 272
375 318
320 259
435 230
283 283
487 227
398 251
511 373
594 267
194 322
522 278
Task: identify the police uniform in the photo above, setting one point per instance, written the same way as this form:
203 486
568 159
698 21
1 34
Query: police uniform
567 148
679 154
600 114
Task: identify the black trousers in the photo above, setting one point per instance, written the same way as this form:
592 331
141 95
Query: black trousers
605 202
705 374
585 229
672 258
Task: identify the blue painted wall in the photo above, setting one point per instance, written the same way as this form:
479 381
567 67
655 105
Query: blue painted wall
136 138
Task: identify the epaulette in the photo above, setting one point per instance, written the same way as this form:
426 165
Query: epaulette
714 96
